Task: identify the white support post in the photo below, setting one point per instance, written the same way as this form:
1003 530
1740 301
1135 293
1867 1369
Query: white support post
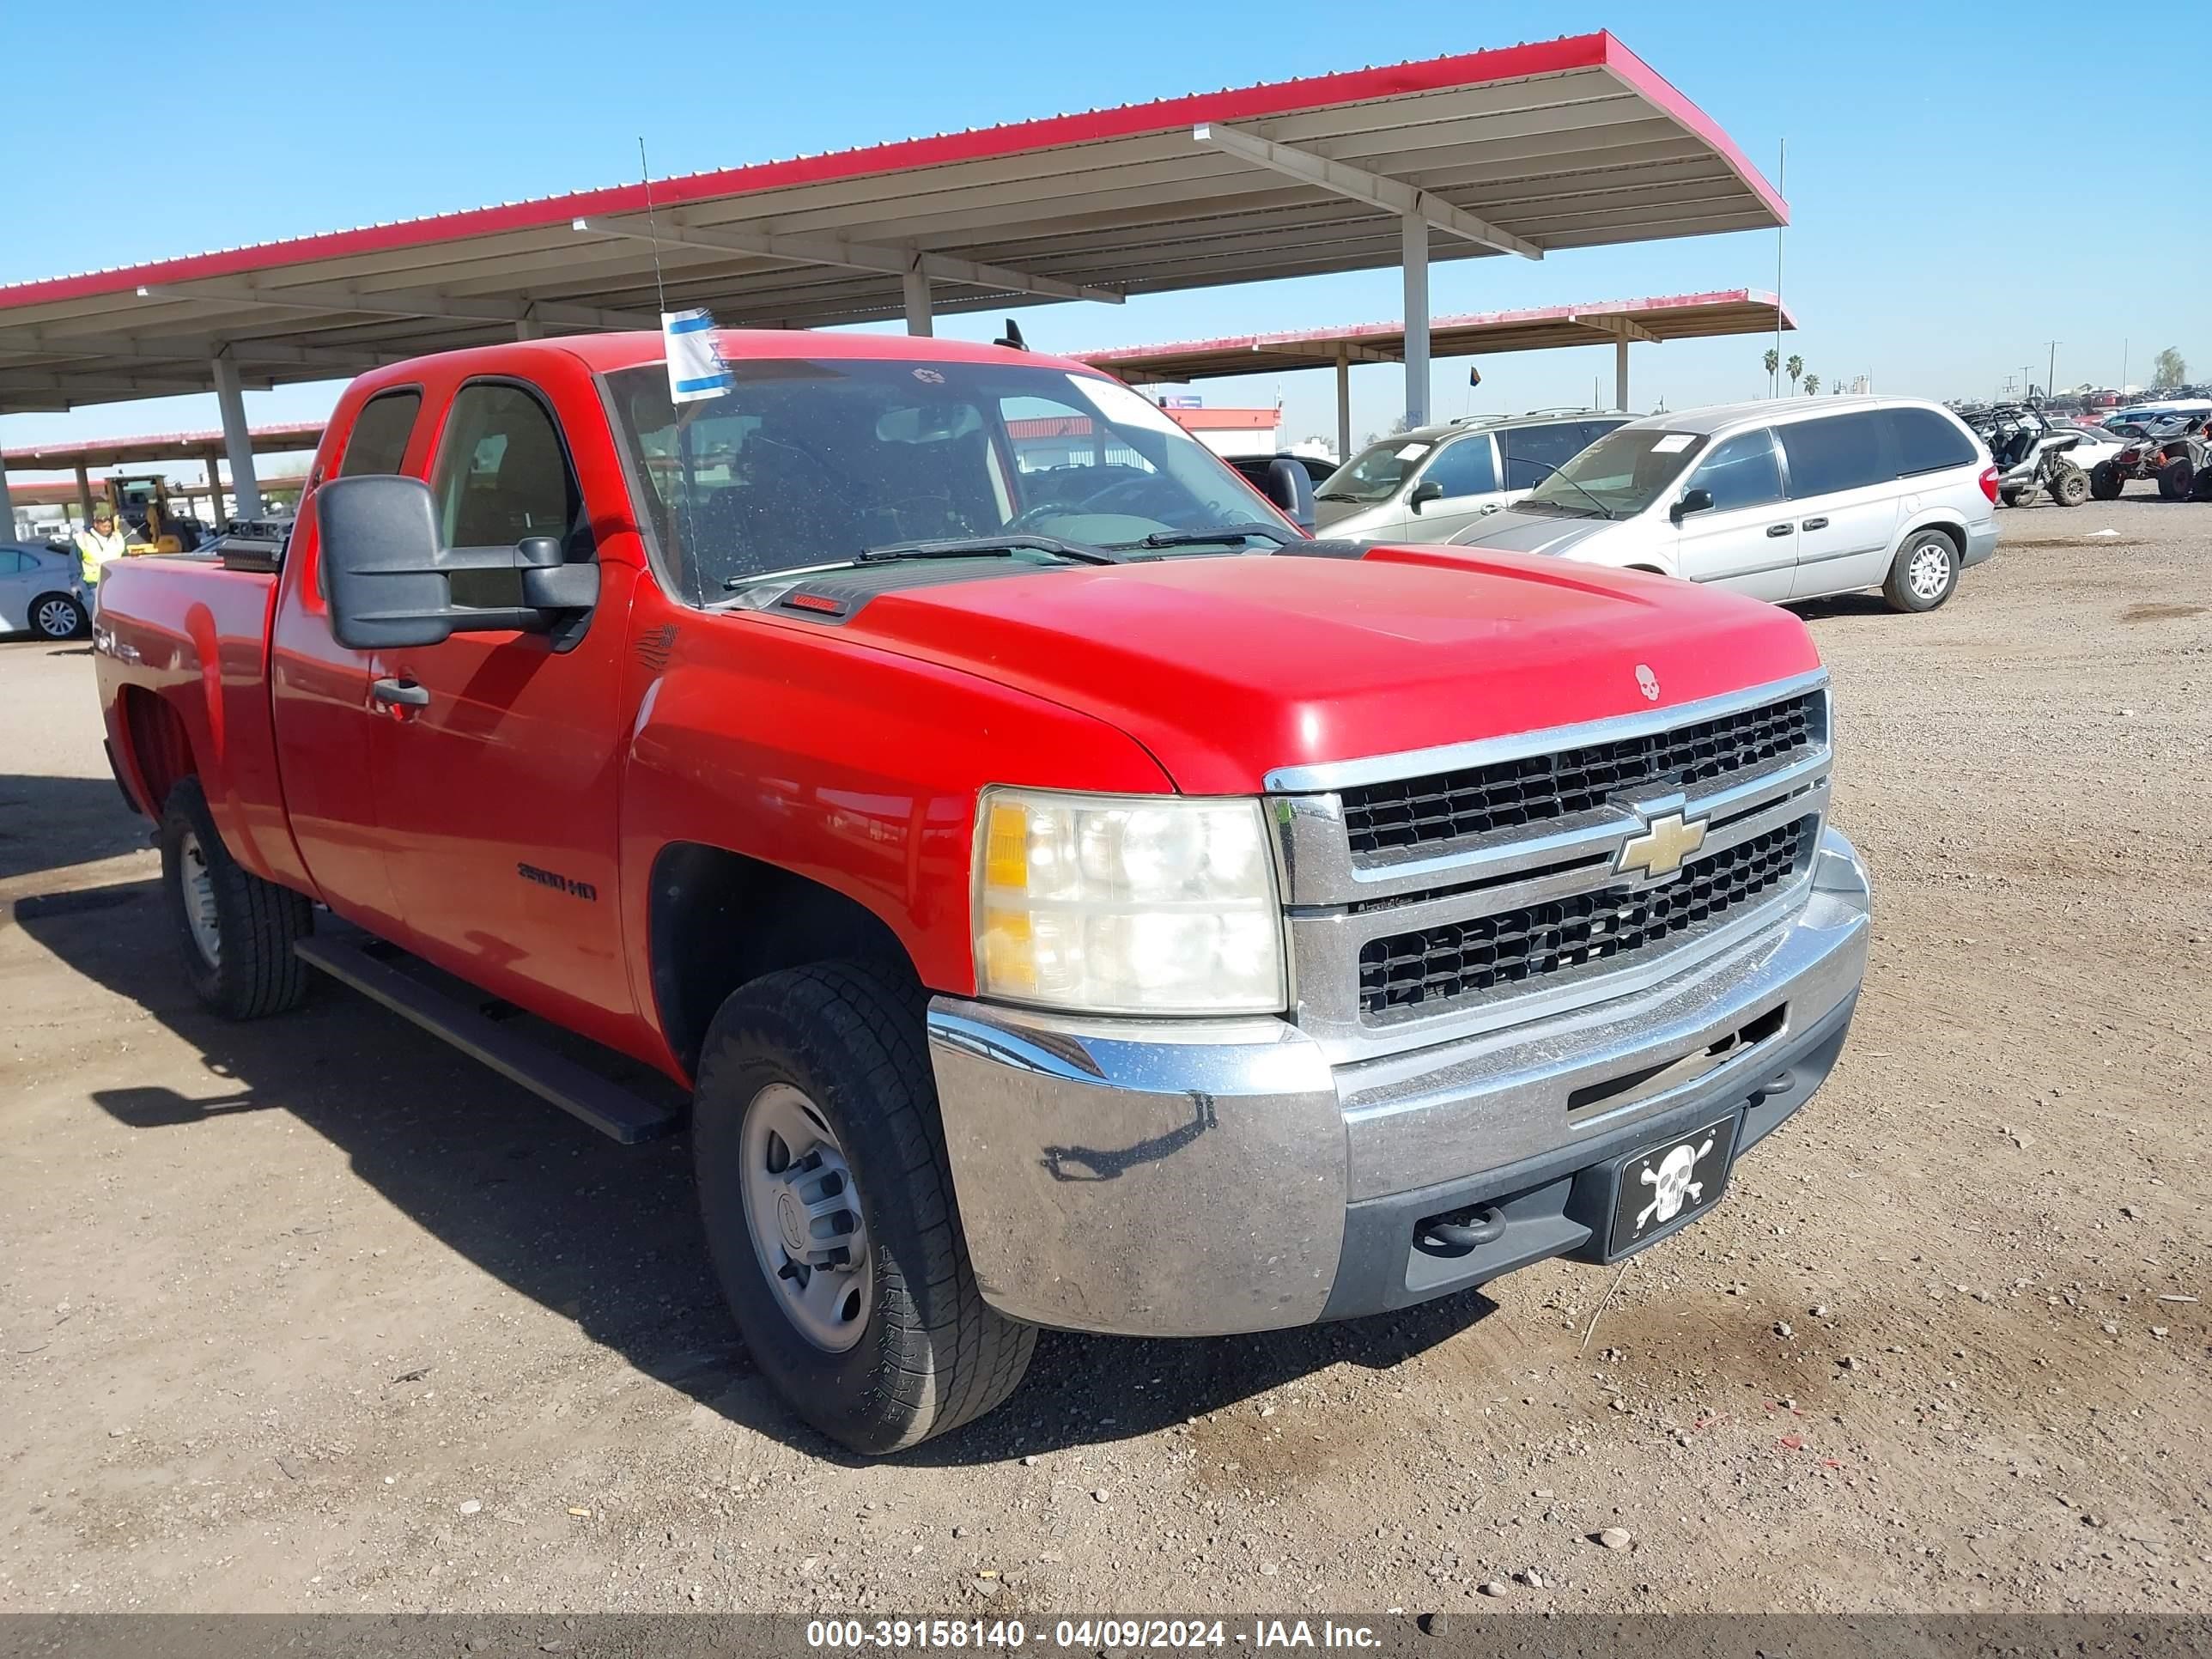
1416 262
1343 404
916 286
6 503
237 438
1620 373
214 459
83 499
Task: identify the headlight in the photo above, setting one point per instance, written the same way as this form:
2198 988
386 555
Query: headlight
1121 904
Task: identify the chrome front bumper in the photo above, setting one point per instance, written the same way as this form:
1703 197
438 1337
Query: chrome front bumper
1189 1178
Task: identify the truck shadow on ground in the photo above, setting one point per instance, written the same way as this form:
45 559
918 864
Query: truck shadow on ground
50 824
605 1234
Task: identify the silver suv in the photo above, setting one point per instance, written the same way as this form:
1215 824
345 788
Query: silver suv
1427 485
1793 498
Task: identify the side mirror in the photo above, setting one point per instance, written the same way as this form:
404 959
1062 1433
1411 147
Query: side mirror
1694 500
389 575
1424 492
1289 487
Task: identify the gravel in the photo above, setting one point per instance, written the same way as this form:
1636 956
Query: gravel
328 1239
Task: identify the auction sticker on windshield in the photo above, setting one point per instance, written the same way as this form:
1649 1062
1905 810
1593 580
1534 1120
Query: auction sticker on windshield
1672 442
1118 403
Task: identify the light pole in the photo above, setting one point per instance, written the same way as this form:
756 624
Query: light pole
2051 371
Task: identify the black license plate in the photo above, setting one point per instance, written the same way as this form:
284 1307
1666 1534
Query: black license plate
1660 1188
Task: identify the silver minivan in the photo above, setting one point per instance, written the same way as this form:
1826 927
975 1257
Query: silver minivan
1791 498
1428 483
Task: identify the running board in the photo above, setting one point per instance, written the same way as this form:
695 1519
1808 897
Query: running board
608 1107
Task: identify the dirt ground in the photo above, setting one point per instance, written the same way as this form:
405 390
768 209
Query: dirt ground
316 1314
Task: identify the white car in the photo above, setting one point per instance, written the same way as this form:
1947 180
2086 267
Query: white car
1795 498
39 592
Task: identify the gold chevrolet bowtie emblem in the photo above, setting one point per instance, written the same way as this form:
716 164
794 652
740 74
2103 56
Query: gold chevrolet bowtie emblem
1660 850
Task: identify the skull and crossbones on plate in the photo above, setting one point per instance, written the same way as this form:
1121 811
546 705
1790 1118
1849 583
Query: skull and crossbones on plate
1671 1184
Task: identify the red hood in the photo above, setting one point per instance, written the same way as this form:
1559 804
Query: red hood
1227 668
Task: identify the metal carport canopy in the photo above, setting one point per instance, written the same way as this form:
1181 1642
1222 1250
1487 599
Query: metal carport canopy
1564 143
1669 317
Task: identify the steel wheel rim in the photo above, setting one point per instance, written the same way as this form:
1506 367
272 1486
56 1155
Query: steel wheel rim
803 1213
1929 570
56 619
199 899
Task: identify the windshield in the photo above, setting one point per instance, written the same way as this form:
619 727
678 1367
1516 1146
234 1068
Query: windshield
805 463
1375 472
1619 475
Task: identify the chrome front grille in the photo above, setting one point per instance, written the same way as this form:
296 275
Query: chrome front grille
1432 968
1442 893
1445 807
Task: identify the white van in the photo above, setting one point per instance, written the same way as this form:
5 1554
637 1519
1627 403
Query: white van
1792 498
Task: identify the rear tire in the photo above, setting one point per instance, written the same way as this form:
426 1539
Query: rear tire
2105 481
57 617
2069 486
2014 497
900 1345
1924 573
2202 490
2175 479
234 931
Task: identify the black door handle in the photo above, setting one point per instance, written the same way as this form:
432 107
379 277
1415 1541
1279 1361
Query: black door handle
401 693
1814 524
1778 529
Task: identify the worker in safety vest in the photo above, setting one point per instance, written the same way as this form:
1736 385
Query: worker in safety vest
104 541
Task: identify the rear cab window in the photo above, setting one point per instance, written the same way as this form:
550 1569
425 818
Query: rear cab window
378 442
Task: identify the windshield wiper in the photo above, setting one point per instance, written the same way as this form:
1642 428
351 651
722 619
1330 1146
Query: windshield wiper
1007 542
1208 534
1603 512
1337 495
951 547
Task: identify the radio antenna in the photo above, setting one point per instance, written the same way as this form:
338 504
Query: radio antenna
653 228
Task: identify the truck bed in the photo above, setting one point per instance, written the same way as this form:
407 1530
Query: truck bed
181 648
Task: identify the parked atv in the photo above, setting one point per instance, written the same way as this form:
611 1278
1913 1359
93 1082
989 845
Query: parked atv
2172 453
2032 454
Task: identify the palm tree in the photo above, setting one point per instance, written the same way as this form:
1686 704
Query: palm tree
1773 362
1812 386
1794 367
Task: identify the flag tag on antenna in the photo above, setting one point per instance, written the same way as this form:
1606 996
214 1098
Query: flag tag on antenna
695 369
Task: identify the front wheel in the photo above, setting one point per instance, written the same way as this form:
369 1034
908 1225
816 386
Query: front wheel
2105 481
1923 573
829 1213
57 617
234 931
2069 486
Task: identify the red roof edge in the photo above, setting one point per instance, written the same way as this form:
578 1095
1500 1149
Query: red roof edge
1644 79
1233 104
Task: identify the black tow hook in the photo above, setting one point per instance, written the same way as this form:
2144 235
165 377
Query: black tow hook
1458 1237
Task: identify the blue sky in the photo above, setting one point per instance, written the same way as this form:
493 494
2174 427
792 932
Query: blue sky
1955 204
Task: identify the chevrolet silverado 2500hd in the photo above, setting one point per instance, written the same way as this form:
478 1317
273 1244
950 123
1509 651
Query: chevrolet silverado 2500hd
1069 896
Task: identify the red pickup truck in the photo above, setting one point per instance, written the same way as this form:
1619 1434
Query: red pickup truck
1069 895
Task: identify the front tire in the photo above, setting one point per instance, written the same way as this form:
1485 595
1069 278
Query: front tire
234 931
57 617
2069 486
829 1213
1924 573
2105 481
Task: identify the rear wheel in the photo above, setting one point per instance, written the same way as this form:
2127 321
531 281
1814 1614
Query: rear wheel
2105 481
57 617
2069 486
2175 479
829 1213
234 931
1924 573
2014 497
